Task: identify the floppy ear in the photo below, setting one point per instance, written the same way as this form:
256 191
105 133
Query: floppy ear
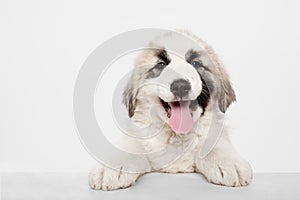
226 95
129 98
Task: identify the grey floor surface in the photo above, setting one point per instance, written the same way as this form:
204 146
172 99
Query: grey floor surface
151 186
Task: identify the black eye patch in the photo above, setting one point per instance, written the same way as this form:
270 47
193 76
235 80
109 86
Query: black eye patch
156 70
163 56
191 57
163 61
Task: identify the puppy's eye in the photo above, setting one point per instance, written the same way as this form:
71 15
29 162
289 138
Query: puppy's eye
160 65
198 65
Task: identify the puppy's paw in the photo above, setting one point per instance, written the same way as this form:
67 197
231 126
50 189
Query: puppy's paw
104 178
228 172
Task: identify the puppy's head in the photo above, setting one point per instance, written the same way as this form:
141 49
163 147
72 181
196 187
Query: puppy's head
182 85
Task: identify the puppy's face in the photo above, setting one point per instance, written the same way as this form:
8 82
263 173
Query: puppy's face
180 87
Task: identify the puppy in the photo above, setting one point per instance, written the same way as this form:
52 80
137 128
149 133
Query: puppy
179 92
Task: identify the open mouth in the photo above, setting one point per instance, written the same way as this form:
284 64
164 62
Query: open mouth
180 115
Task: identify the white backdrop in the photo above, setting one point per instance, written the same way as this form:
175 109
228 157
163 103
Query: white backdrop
43 44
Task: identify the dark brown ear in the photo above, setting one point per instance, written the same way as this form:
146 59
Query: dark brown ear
129 98
226 93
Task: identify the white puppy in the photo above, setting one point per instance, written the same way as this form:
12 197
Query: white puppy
190 90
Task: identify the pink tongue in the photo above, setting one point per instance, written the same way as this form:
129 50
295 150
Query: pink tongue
181 120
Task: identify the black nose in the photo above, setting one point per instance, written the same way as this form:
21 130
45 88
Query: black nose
180 87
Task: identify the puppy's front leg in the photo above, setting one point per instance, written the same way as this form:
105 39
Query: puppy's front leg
105 178
223 166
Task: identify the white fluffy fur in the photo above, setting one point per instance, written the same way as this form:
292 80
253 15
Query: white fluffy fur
221 166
